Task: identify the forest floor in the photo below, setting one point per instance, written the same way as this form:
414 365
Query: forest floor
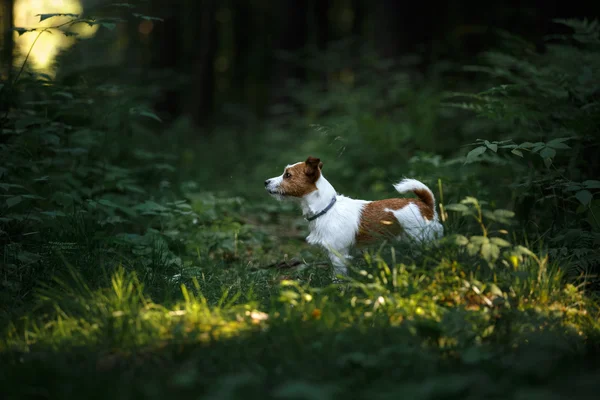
265 322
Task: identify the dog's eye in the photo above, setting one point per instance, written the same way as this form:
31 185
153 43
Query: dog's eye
287 175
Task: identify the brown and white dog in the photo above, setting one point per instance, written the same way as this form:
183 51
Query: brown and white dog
338 223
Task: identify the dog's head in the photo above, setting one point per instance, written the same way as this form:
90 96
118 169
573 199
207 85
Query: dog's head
297 180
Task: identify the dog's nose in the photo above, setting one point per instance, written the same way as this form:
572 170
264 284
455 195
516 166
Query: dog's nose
267 182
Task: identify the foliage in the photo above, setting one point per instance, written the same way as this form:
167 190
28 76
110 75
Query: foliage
547 110
126 262
73 190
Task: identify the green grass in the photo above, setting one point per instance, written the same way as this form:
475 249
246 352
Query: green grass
431 322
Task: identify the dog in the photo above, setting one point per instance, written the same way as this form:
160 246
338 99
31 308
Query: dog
338 223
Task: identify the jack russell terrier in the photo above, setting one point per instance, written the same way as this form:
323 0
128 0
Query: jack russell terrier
337 223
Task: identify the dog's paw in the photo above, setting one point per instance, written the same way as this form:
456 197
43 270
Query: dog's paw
340 284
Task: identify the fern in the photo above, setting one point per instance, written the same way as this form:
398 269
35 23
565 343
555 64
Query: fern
547 104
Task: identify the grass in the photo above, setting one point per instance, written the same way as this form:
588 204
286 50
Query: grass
432 322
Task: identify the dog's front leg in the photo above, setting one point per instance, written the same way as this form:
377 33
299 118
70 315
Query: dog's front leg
339 260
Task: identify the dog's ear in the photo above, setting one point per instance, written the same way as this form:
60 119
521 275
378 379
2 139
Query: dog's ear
313 163
313 166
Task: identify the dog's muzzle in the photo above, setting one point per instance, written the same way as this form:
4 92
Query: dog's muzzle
270 190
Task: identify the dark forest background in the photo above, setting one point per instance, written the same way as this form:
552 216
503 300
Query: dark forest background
218 55
141 257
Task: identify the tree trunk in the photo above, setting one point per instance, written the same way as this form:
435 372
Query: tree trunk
167 51
6 56
6 41
201 101
292 37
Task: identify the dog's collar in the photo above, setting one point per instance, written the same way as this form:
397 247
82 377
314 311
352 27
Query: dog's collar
331 203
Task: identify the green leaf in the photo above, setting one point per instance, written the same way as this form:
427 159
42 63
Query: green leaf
288 295
63 199
46 16
144 113
476 152
147 17
164 167
21 31
6 186
558 143
492 146
547 152
457 207
489 215
460 240
490 251
53 214
150 115
32 197
592 184
529 145
517 152
108 203
473 249
470 200
488 331
150 207
108 25
113 220
524 250
501 213
495 290
559 146
538 147
479 240
499 242
584 197
13 201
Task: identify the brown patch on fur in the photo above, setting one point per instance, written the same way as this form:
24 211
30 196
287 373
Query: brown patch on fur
377 224
300 179
428 200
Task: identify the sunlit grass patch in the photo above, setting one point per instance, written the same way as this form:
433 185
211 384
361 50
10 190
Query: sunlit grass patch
122 316
444 299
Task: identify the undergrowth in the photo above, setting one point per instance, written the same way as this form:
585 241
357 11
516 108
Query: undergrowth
121 278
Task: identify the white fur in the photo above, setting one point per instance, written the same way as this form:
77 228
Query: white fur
336 230
419 227
408 185
415 226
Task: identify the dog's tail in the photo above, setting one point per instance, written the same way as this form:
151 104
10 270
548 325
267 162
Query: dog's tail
418 188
